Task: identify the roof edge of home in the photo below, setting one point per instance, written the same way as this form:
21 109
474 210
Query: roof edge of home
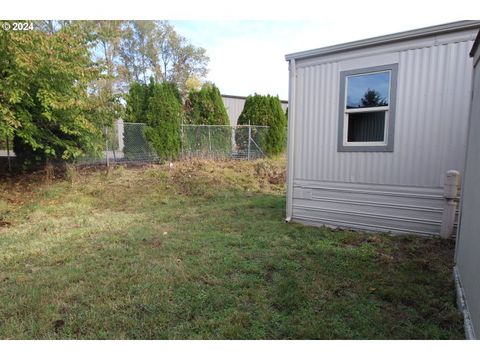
475 44
244 97
380 40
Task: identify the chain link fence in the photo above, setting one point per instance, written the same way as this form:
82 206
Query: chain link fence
223 141
125 142
6 154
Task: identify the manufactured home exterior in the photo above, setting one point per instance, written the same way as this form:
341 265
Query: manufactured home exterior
234 106
467 252
378 162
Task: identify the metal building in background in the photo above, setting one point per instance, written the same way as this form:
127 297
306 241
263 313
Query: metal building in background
374 126
234 106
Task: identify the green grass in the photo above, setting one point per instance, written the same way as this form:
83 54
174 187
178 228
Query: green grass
201 251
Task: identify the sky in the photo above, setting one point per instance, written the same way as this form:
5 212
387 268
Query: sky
357 85
247 40
248 56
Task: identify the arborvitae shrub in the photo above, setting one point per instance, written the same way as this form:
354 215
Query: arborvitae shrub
163 119
275 138
266 111
136 112
205 107
137 103
159 106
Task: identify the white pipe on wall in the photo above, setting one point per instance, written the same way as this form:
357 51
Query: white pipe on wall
450 191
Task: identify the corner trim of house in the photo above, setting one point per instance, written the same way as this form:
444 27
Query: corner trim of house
463 307
291 138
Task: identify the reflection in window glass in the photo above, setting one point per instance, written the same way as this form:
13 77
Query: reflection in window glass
368 90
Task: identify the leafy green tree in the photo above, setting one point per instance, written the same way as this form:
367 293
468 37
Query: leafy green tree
105 42
193 83
137 49
154 48
265 111
47 103
134 51
178 59
163 119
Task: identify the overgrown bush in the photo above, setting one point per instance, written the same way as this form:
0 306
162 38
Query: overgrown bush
47 102
265 111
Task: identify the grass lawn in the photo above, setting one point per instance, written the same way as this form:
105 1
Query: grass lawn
201 251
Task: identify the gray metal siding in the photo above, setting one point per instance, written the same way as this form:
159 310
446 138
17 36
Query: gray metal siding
369 207
433 94
234 108
468 247
432 108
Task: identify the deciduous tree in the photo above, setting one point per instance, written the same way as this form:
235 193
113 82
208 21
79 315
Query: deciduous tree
46 102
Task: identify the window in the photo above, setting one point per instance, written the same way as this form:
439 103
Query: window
367 109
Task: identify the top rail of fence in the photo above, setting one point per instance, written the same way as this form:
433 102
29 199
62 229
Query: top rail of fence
226 126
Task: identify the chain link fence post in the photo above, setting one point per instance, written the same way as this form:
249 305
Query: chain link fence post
106 146
8 156
181 141
114 145
209 141
249 140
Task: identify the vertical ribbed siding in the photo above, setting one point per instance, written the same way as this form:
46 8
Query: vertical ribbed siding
433 94
234 107
468 247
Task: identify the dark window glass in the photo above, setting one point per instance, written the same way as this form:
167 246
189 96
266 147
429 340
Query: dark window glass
367 126
368 90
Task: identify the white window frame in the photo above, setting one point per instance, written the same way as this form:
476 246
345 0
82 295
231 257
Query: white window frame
387 143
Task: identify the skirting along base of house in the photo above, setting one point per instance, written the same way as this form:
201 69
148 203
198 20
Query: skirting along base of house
463 307
387 208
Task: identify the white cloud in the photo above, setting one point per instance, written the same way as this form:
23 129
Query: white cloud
242 66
